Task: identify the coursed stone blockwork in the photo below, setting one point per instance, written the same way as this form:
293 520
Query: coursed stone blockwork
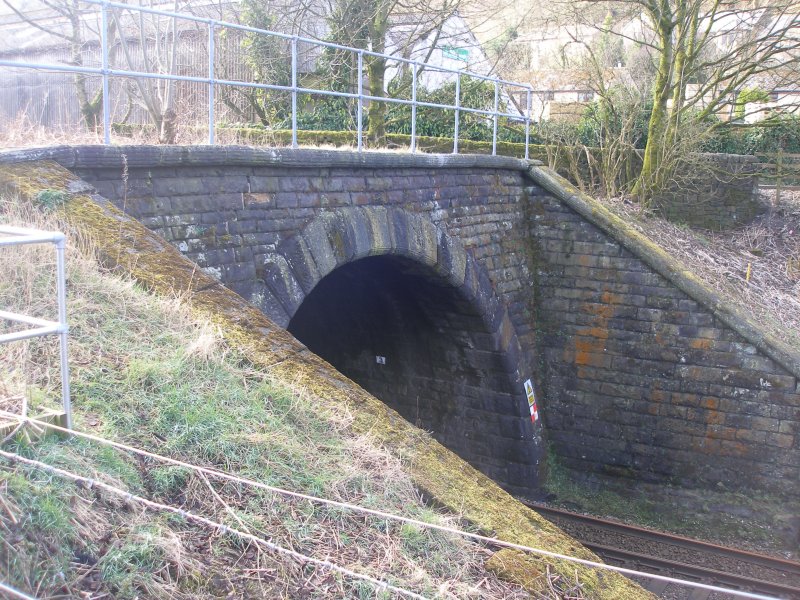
459 346
643 379
713 191
645 372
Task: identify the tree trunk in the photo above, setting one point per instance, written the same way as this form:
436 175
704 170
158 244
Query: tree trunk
376 112
657 127
376 71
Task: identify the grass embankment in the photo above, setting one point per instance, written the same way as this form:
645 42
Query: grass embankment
147 372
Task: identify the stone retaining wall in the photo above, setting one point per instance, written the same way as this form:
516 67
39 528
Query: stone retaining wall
714 191
650 374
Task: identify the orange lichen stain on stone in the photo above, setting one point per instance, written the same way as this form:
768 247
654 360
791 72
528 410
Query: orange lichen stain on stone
611 298
591 359
589 345
700 344
590 342
714 417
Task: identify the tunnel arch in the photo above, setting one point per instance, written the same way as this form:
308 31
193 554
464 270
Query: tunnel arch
361 283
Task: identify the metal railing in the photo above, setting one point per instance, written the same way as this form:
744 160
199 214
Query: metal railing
17 236
106 72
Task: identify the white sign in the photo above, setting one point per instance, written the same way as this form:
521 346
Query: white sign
381 360
531 401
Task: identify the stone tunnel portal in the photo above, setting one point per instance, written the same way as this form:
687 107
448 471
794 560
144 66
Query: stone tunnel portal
413 340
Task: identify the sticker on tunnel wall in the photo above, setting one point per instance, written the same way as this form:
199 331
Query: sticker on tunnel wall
531 401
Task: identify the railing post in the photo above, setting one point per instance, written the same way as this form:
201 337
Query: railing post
211 53
413 108
61 292
458 113
494 124
360 99
294 92
527 120
104 66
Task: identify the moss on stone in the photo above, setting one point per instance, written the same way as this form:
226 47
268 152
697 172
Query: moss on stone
519 568
127 245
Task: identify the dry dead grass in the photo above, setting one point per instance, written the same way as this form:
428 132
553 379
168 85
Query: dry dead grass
756 266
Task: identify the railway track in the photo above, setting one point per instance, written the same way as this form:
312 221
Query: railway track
680 557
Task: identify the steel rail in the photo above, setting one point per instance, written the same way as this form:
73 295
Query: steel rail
789 567
676 540
645 562
16 236
249 84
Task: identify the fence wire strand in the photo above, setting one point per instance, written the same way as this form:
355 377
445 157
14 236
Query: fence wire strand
492 541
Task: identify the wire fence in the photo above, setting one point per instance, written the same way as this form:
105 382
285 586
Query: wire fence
119 61
380 584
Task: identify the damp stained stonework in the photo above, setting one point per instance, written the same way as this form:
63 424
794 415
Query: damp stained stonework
666 382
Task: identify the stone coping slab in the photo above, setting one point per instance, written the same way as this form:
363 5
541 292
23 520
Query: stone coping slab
86 157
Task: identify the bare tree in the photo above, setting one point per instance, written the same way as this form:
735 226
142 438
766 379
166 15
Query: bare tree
704 52
68 24
137 41
367 25
150 43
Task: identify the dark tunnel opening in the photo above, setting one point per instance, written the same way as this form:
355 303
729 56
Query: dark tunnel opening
414 341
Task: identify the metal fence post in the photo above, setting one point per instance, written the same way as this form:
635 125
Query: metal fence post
494 124
294 92
360 99
458 113
104 67
15 236
211 117
413 108
61 291
527 121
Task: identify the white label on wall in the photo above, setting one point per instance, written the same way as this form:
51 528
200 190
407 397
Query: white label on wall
381 360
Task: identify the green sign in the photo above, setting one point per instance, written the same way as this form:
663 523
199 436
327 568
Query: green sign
456 53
